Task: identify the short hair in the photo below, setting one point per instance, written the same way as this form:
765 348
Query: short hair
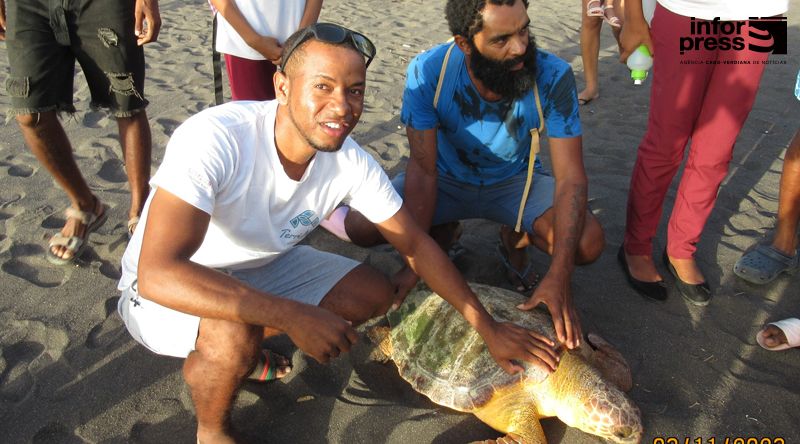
299 54
465 17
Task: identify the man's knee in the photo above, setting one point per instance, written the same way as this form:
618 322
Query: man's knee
33 120
361 231
592 242
362 294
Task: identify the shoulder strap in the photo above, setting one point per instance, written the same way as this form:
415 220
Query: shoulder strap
441 76
216 64
535 133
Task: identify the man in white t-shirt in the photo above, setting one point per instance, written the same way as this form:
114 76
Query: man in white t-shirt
216 266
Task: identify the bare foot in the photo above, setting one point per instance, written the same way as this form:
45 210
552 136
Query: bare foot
773 336
642 268
214 437
587 95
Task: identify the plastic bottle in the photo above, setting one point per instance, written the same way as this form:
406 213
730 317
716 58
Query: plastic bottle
639 62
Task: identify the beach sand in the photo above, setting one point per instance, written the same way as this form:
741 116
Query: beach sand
70 373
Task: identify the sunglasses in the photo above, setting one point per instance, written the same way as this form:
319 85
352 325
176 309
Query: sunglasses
331 33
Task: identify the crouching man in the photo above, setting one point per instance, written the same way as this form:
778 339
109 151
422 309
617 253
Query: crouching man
216 266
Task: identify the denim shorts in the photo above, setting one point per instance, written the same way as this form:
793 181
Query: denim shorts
302 274
457 200
45 37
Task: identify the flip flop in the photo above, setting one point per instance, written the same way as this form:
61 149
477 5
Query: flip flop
267 367
582 102
762 263
612 20
594 8
790 328
76 244
527 278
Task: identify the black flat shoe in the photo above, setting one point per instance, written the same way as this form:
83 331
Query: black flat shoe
655 291
696 294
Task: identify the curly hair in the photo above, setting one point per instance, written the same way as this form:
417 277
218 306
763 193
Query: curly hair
465 17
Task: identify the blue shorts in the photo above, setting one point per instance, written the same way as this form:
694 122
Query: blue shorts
457 200
301 274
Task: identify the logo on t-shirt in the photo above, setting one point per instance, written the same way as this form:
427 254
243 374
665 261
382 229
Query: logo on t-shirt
307 218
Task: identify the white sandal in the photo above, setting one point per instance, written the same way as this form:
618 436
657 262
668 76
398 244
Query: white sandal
76 244
790 328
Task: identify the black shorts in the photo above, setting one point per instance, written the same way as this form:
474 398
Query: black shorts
45 37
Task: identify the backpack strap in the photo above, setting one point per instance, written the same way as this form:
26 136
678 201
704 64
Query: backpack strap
216 64
535 133
441 76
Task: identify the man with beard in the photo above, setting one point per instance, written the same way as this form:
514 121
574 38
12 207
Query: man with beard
217 267
473 110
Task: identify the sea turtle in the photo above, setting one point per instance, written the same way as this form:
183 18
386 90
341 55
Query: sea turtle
442 357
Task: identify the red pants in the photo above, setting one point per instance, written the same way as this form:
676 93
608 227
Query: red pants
705 102
250 79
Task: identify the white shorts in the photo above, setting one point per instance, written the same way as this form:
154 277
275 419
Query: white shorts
302 274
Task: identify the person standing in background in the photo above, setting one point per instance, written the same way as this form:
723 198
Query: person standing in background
700 94
251 33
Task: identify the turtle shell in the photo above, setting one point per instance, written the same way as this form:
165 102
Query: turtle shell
444 358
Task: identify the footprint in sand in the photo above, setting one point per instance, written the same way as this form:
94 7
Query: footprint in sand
113 170
107 331
27 262
28 349
55 432
168 125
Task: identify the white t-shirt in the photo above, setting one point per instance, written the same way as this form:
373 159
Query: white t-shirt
272 18
726 9
224 162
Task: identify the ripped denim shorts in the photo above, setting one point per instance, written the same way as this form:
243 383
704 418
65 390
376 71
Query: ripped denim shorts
45 37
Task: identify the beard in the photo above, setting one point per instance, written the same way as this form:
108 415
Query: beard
497 76
310 140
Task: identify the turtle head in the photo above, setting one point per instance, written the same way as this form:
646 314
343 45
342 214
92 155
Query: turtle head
610 414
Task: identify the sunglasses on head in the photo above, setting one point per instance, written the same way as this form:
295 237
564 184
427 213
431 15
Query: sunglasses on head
331 33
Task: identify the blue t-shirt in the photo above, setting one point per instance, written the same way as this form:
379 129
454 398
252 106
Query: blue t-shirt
482 142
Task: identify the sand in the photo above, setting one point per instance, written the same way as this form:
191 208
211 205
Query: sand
70 373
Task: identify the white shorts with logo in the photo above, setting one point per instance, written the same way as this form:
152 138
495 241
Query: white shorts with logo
302 274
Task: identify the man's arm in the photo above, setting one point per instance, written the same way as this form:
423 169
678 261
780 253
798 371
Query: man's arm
635 32
173 233
266 46
507 342
310 13
421 176
147 11
569 207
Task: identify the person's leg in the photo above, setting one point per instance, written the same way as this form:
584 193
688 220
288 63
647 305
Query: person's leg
789 200
224 355
727 102
364 293
675 101
250 79
113 63
590 50
134 135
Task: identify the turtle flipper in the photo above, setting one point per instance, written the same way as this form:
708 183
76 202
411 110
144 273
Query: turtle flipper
380 335
609 362
520 424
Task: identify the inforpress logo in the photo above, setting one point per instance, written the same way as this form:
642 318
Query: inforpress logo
769 34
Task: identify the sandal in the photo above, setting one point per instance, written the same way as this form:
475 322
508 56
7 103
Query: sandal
524 280
267 367
76 244
132 223
611 19
594 8
763 263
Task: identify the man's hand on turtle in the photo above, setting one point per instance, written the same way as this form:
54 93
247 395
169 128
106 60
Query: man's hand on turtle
555 293
509 344
320 333
403 282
